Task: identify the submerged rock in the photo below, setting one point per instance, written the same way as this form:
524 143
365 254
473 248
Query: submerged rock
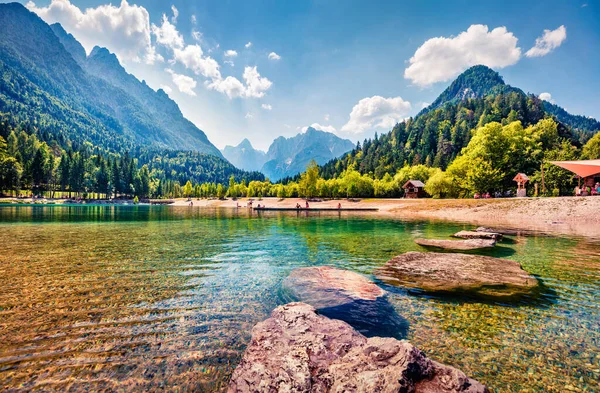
345 295
478 235
461 245
297 350
458 273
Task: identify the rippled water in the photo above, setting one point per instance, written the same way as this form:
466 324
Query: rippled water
102 298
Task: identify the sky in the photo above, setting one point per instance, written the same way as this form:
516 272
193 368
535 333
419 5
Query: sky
262 69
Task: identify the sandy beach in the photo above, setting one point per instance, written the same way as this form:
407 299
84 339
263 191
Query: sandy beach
579 216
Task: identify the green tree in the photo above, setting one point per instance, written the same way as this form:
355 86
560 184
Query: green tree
591 150
309 179
187 189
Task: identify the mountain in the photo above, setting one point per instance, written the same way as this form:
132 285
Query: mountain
582 125
477 82
244 156
289 156
439 132
46 79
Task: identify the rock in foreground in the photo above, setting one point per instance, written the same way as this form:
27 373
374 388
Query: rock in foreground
460 245
345 295
458 273
478 235
297 350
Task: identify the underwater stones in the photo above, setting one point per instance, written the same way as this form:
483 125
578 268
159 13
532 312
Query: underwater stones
478 235
298 350
477 275
345 295
460 245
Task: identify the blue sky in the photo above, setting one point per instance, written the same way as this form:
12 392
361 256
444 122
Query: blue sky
344 65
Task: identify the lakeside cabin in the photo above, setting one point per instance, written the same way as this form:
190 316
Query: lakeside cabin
414 189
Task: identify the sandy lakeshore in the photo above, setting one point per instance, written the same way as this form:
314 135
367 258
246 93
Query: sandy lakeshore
578 216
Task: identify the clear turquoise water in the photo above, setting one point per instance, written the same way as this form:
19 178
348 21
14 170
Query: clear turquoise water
104 298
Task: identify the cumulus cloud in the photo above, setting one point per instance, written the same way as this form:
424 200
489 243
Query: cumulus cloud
546 97
550 40
167 34
192 57
326 117
231 63
230 86
248 45
318 126
230 53
274 56
442 58
254 85
425 105
193 19
184 83
124 30
376 112
249 115
267 107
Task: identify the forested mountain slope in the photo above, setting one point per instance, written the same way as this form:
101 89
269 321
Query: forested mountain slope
437 135
83 100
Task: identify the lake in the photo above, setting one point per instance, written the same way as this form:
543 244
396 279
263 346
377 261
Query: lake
140 298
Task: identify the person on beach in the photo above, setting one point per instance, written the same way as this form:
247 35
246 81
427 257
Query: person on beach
339 205
307 205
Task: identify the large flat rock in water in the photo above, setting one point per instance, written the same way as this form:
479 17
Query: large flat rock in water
297 350
460 245
458 273
345 295
478 235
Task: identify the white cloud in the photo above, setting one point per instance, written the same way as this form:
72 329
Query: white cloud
550 40
192 57
167 34
425 105
124 30
184 83
230 53
196 35
546 97
274 56
318 126
249 115
193 19
231 63
255 84
376 112
166 88
231 86
441 59
254 87
267 106
248 45
326 117
175 14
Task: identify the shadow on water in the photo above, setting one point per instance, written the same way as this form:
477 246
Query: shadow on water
542 297
372 318
498 251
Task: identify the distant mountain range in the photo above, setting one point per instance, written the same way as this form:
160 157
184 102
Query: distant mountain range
245 156
287 157
48 79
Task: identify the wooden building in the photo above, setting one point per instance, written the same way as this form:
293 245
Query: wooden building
521 180
414 189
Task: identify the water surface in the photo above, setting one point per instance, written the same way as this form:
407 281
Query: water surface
135 298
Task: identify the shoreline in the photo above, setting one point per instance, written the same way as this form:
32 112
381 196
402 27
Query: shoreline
575 216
